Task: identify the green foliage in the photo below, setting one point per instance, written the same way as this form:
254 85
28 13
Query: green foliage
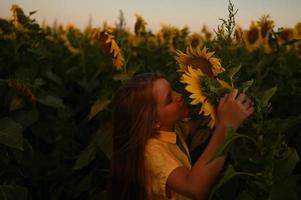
259 148
55 124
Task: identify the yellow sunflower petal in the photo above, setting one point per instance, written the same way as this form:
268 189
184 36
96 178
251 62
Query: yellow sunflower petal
200 59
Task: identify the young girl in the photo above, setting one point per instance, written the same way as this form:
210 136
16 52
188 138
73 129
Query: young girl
150 158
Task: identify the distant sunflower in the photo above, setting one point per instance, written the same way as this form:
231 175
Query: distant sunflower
238 33
7 36
266 25
207 34
195 40
252 37
68 44
140 25
297 30
286 35
134 41
199 59
168 36
109 46
153 41
18 18
174 35
46 28
69 28
165 34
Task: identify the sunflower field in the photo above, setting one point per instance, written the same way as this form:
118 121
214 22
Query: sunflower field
57 84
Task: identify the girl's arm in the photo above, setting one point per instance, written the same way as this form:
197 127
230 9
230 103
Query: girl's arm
197 182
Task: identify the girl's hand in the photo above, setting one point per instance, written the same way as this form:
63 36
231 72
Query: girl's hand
233 109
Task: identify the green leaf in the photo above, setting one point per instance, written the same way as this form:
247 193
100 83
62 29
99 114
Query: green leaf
231 136
53 77
98 194
16 103
285 188
285 165
126 75
281 125
98 106
104 139
244 196
267 95
224 146
245 86
26 73
85 183
86 156
38 82
11 133
32 12
227 175
13 192
26 117
231 72
52 101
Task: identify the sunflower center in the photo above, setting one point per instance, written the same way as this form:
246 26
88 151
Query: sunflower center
202 64
253 35
195 42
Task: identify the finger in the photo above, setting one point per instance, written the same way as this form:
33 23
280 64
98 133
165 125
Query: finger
232 94
225 97
248 103
223 100
250 110
241 97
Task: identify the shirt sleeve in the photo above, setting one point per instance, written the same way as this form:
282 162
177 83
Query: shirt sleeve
160 162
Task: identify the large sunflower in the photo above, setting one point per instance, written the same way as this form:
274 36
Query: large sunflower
194 78
200 72
199 59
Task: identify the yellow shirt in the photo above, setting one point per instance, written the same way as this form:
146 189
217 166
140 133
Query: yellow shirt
162 156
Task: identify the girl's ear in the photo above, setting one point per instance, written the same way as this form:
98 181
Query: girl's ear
156 125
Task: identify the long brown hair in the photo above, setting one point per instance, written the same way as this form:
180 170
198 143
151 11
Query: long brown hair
133 119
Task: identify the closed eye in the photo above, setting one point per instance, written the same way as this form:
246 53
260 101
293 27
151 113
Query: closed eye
168 99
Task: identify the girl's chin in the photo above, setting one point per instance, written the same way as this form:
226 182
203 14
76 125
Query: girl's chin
185 112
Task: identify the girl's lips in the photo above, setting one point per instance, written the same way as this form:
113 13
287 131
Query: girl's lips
183 104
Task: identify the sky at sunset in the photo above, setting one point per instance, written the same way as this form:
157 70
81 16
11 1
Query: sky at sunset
193 13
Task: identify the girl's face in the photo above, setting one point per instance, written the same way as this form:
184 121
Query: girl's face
171 107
